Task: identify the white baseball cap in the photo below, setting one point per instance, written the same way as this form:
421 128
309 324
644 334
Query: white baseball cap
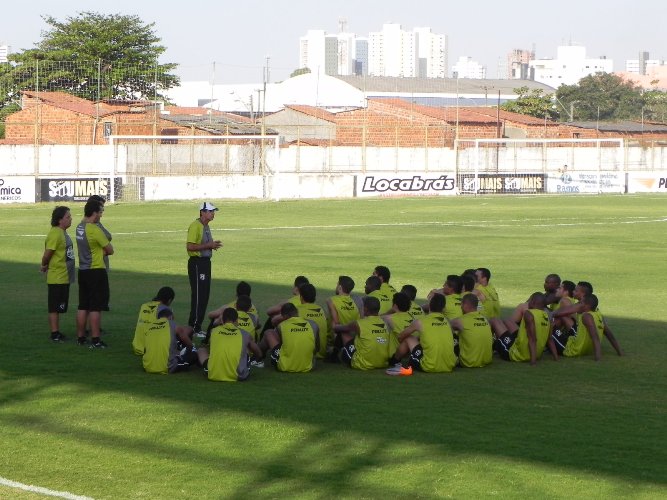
208 207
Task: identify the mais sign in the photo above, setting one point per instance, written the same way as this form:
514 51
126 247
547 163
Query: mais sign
78 189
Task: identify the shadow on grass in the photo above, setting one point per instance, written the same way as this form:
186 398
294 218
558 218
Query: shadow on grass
598 418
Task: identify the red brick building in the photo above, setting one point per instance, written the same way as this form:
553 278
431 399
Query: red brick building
61 118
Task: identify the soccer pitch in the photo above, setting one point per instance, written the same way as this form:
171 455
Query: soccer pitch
92 423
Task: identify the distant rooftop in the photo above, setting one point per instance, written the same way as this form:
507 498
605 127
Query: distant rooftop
486 87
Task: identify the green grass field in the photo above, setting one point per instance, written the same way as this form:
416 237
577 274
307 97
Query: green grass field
93 423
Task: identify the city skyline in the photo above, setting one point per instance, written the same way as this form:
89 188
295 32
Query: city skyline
230 42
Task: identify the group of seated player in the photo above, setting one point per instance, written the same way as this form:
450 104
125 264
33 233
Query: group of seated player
460 325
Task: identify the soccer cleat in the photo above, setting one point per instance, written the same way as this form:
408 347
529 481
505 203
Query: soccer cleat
399 371
81 340
58 337
97 344
257 364
200 334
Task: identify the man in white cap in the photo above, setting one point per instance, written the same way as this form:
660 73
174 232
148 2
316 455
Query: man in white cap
200 246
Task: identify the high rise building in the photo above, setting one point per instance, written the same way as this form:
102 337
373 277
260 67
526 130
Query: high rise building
518 64
467 67
319 52
431 54
389 52
392 52
360 56
643 65
570 66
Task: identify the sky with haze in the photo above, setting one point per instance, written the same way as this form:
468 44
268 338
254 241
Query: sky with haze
238 36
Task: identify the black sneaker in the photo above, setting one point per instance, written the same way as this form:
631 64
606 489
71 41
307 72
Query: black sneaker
97 344
58 337
81 340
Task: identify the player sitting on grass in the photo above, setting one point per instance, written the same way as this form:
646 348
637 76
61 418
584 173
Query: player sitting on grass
527 340
384 274
399 319
148 314
242 288
428 341
293 343
309 310
343 309
372 289
365 341
591 326
565 324
227 357
295 299
487 293
246 320
165 351
475 339
415 309
451 289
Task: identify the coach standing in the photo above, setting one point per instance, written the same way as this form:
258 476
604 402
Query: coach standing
200 246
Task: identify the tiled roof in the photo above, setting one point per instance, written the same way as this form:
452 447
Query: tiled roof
313 142
199 111
72 103
624 126
486 87
319 113
216 124
474 114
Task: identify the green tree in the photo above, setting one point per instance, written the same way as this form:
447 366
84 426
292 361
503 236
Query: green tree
655 106
532 102
299 71
93 56
602 96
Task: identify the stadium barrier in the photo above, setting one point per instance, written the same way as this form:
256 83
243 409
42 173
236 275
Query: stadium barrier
258 167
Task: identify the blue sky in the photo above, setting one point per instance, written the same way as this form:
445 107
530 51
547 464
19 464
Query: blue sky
239 35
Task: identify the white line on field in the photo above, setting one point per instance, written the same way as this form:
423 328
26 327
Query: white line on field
538 222
43 491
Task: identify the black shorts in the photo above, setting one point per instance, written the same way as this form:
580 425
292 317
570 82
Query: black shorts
502 344
347 352
58 298
416 356
93 290
560 338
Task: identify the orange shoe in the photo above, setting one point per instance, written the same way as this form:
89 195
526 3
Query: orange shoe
399 371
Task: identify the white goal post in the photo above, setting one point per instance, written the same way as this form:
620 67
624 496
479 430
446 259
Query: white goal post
188 155
537 165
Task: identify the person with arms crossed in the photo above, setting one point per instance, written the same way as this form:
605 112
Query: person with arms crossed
93 280
58 264
428 341
230 349
200 245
